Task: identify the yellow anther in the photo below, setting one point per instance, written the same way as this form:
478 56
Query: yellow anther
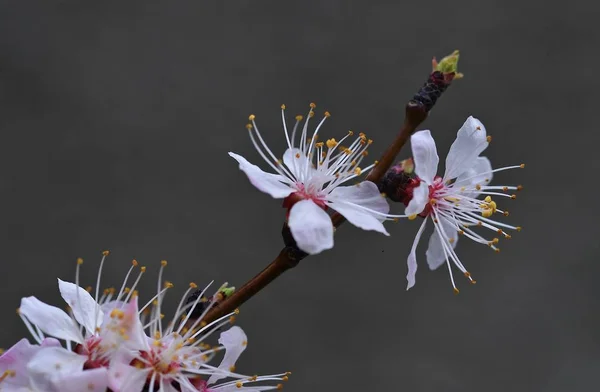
88 289
285 378
518 228
232 368
245 343
312 105
489 139
319 144
461 232
251 117
193 285
513 197
299 118
163 263
311 114
202 324
232 319
249 127
358 171
505 213
487 199
456 291
331 143
522 166
467 274
105 253
126 290
497 250
327 114
375 163
351 133
487 213
143 269
412 217
478 187
519 187
236 311
134 262
473 281
495 240
155 302
79 260
451 240
370 141
239 384
282 107
362 135
168 285
364 153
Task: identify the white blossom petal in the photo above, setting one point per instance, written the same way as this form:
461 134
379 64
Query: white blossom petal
355 203
435 252
234 340
125 378
419 200
471 140
85 309
412 258
478 174
50 363
424 155
273 184
93 380
298 163
15 359
50 319
311 227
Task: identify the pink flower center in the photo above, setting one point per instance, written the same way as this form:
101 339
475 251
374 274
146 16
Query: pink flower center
94 351
434 193
303 194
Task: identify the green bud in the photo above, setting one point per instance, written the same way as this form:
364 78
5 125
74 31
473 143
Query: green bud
448 64
227 291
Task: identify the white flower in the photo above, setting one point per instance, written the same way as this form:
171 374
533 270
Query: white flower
96 326
309 178
177 354
451 201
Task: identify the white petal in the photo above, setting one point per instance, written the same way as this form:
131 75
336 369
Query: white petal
412 258
93 380
311 227
435 252
266 182
85 309
50 363
234 388
424 155
298 163
132 324
354 203
419 200
476 175
125 378
471 140
234 340
50 319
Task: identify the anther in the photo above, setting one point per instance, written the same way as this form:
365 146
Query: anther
351 133
194 285
143 269
513 197
249 127
412 217
358 171
299 118
522 166
519 187
283 107
456 291
79 261
312 105
251 117
105 253
163 263
489 139
518 228
134 262
505 213
327 114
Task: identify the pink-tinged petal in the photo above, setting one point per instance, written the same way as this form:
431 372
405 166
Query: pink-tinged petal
360 205
298 163
311 227
50 342
412 258
107 307
419 200
133 327
93 380
15 360
85 309
50 319
471 140
273 184
435 251
125 378
234 340
424 155
479 174
50 363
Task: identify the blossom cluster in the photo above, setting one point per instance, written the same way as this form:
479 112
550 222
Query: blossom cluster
110 341
312 176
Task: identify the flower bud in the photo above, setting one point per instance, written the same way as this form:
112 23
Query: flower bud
398 181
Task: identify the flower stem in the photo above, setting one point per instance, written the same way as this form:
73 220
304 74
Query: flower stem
416 112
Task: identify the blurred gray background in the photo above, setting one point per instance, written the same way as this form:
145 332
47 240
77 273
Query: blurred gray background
116 120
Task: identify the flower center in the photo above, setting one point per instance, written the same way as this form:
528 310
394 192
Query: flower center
93 349
303 194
